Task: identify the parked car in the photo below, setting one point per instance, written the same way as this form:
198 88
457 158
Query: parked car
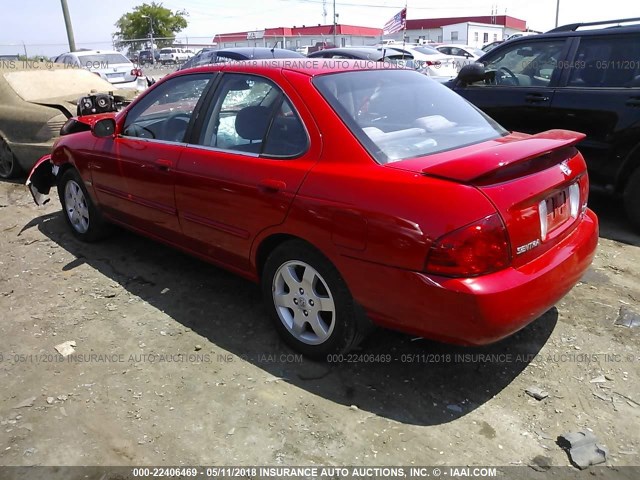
353 194
463 54
578 77
364 53
174 55
430 61
144 57
113 66
208 56
490 46
34 104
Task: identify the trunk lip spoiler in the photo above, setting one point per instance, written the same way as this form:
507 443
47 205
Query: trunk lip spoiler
474 165
480 161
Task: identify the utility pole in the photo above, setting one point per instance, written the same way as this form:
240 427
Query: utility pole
334 23
153 54
67 22
557 11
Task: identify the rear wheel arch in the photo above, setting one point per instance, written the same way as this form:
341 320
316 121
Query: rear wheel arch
630 164
269 244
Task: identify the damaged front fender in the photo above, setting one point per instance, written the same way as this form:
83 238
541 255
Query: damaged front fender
41 179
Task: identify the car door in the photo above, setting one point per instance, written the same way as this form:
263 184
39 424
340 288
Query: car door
135 175
519 84
246 161
600 96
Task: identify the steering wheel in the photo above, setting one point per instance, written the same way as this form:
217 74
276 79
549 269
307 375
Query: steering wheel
510 74
175 126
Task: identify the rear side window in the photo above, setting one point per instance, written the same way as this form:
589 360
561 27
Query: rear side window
251 114
607 62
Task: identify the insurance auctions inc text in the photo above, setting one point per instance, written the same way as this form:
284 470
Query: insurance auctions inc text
352 472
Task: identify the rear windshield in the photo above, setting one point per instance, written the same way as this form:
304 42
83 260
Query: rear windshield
102 60
400 114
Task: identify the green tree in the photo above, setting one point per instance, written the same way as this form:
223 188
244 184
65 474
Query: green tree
135 26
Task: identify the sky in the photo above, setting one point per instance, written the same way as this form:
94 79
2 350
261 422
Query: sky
38 25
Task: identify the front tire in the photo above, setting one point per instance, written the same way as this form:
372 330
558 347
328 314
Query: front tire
81 215
309 302
631 198
9 166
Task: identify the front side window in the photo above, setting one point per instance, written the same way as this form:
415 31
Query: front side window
251 114
607 62
400 114
165 113
524 64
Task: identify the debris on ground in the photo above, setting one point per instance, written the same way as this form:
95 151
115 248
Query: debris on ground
66 348
26 403
583 449
537 393
598 379
627 318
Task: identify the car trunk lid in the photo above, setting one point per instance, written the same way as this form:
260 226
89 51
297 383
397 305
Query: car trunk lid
537 183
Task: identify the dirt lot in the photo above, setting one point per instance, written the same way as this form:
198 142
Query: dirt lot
175 363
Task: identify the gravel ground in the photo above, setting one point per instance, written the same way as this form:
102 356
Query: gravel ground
176 364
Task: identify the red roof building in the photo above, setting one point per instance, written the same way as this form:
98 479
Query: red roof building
503 20
297 37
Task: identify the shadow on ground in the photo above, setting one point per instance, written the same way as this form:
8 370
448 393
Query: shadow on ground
426 383
613 222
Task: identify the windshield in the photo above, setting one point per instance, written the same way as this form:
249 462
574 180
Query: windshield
400 114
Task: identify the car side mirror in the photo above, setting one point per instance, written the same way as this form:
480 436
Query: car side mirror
105 127
474 72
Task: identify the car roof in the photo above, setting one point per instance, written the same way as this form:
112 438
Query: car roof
259 52
307 66
81 53
365 52
569 31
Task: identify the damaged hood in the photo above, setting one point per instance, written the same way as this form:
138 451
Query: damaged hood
60 88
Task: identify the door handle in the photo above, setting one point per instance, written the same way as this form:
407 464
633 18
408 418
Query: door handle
536 98
164 164
271 186
633 102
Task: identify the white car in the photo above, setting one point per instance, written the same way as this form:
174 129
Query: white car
463 54
174 55
429 61
112 66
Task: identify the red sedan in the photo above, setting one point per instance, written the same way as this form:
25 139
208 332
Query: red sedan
354 195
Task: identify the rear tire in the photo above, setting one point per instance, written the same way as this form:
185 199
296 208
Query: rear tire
631 198
80 214
309 302
9 166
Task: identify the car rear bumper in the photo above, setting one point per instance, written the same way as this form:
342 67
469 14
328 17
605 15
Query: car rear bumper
474 311
139 84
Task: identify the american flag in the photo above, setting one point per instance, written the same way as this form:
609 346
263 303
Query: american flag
397 23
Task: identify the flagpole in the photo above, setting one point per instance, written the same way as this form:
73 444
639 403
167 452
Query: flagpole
404 30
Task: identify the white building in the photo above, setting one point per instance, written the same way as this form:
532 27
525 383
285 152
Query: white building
474 31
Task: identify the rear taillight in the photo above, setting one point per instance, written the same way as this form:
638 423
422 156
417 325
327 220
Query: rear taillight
476 249
136 72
